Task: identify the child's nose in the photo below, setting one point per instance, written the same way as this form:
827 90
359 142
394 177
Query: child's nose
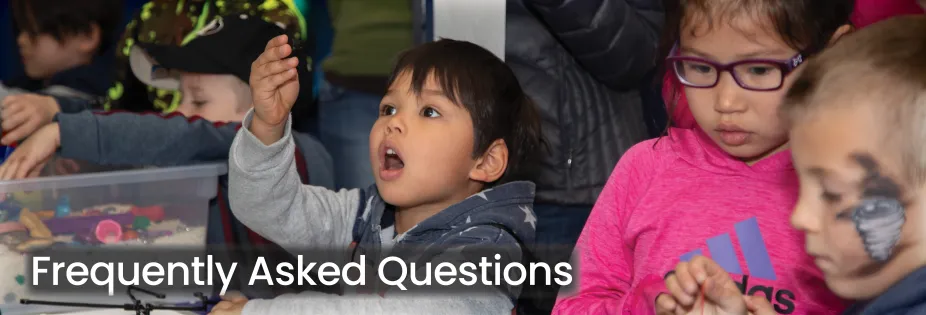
395 125
22 39
728 100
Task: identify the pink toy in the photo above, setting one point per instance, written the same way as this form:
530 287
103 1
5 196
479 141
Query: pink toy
7 227
108 231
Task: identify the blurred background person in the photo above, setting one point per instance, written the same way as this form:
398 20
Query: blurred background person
367 37
583 62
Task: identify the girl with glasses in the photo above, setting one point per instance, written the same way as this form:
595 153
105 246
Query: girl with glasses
723 190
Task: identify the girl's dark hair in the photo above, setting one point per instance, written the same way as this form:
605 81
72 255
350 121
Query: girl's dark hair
61 18
805 25
473 77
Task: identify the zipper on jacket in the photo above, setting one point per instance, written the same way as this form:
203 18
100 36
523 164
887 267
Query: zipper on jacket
569 171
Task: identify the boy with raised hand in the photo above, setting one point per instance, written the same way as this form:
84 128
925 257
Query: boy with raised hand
858 136
453 123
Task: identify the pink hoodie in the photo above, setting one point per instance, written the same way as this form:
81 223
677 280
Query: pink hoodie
682 196
866 13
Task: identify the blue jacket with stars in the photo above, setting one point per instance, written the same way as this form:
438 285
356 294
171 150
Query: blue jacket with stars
484 229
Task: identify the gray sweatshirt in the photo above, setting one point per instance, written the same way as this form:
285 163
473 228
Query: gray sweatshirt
266 195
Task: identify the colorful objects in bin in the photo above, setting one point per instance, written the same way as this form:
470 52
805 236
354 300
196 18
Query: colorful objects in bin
108 232
153 213
141 223
64 207
129 235
9 210
29 199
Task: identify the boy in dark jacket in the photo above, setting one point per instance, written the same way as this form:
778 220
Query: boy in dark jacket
857 115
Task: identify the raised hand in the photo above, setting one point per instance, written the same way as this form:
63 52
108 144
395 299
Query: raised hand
274 88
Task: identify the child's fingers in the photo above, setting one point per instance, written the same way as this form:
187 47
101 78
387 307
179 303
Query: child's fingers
26 166
11 107
686 280
19 132
224 305
276 67
758 305
10 99
675 289
276 41
280 78
14 120
272 53
9 168
703 268
234 297
665 305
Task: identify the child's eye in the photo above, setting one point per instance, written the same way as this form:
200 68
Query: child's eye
762 70
199 103
387 110
830 197
430 112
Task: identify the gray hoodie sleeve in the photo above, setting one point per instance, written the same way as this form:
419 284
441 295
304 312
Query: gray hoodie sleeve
117 138
489 303
265 194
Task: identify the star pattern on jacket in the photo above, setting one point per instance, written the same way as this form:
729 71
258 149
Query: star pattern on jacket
529 216
483 194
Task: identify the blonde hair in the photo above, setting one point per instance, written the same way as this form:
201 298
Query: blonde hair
882 65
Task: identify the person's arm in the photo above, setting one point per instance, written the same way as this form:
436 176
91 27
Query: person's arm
122 138
616 41
266 194
76 104
493 302
605 259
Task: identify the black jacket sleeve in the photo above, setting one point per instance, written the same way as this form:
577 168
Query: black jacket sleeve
616 41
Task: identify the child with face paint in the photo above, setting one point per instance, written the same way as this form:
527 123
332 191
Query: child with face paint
725 189
858 128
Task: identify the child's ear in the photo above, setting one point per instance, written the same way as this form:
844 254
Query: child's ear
90 41
840 32
493 163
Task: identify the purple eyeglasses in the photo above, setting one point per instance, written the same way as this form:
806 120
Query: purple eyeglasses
750 74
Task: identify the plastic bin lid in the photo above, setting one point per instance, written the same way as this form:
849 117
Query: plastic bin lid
116 177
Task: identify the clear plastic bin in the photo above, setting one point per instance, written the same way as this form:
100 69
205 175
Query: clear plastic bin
142 207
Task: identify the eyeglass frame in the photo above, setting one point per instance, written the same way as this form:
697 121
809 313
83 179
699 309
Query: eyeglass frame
786 67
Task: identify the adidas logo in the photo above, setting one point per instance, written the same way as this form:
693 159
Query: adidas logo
758 262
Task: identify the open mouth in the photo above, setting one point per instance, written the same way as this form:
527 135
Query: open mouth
392 160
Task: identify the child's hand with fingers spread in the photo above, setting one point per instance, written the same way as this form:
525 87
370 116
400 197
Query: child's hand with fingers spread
701 286
23 114
232 304
30 156
274 88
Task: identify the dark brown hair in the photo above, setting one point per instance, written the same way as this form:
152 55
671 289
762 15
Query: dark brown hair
62 18
883 66
480 82
805 25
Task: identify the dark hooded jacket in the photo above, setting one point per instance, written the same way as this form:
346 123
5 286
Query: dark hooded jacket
583 62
